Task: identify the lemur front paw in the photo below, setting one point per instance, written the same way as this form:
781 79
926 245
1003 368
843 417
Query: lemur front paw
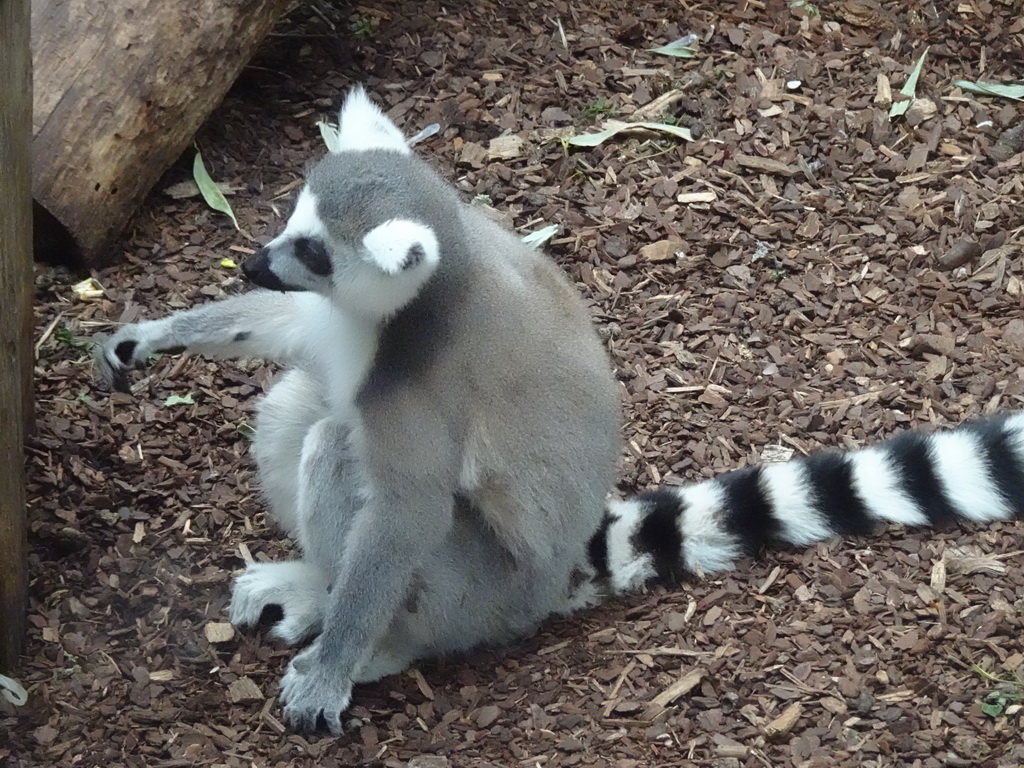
130 347
300 589
314 693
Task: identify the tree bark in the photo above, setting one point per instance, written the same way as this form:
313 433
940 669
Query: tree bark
120 88
15 316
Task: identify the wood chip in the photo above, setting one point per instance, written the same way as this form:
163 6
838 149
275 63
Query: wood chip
473 155
505 147
663 250
680 687
274 724
244 689
707 196
921 110
485 716
938 577
775 454
429 761
1013 333
653 110
964 251
766 165
785 722
883 92
219 631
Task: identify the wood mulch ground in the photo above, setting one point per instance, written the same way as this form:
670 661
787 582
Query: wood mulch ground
780 283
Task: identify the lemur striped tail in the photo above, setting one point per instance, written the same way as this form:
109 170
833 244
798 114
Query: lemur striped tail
973 473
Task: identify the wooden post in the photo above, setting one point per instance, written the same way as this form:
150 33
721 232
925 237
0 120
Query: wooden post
15 315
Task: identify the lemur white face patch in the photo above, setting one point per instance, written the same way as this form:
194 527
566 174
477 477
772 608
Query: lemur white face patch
399 245
304 221
363 126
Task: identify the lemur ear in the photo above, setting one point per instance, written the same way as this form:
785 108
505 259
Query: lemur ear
400 245
363 126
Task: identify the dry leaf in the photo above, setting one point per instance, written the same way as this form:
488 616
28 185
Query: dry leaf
963 562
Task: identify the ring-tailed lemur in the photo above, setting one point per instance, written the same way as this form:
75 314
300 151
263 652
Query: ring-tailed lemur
442 444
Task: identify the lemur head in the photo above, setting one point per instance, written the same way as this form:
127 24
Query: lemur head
364 231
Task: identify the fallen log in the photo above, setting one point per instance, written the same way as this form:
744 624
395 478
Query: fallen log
120 89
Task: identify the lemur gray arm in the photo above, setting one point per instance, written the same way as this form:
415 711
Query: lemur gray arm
260 323
407 514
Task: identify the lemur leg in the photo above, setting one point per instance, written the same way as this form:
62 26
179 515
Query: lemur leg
333 488
329 489
473 591
402 519
284 418
289 430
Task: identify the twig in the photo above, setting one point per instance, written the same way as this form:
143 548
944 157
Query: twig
663 651
47 333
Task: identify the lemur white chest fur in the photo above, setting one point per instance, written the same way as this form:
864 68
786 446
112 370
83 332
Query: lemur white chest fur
337 347
442 445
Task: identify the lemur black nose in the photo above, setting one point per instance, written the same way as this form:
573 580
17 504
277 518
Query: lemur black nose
255 265
258 272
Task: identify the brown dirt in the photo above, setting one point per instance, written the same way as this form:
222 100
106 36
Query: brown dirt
810 297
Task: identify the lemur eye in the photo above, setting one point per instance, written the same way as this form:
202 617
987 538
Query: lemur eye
312 254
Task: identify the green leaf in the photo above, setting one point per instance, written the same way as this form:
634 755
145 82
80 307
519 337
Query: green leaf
330 135
909 90
993 709
593 139
810 9
541 236
13 691
179 400
228 264
211 192
425 134
683 48
64 335
989 88
981 672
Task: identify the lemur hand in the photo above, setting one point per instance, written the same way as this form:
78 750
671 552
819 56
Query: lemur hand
313 693
130 347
